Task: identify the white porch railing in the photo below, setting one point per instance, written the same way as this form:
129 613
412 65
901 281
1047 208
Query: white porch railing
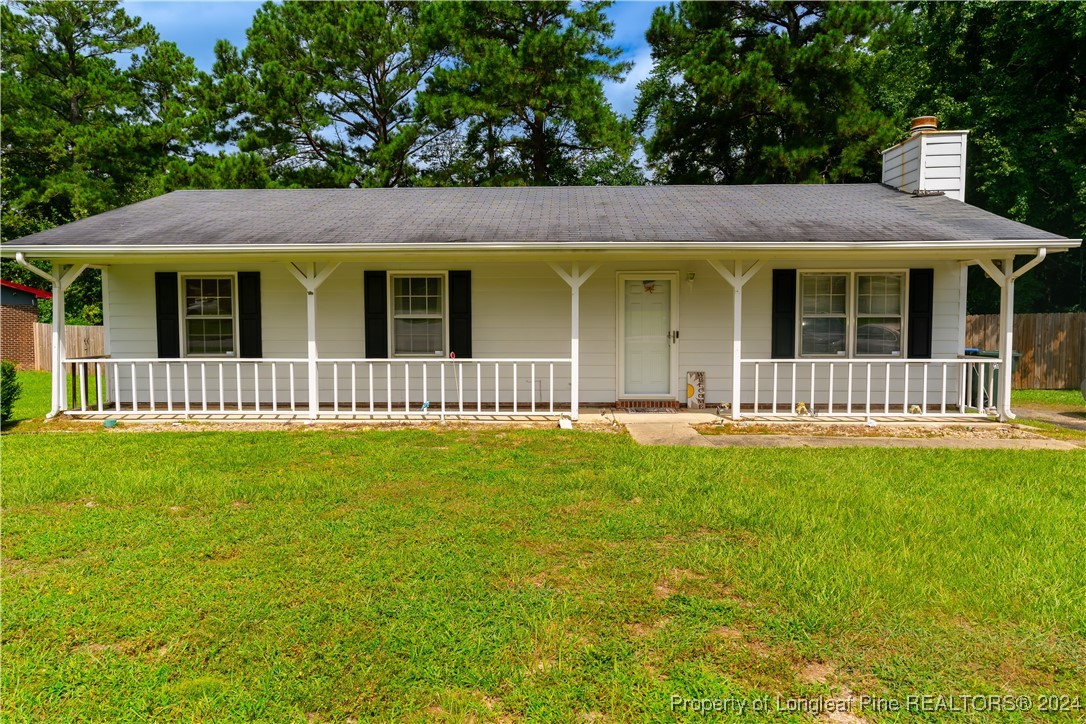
869 387
388 388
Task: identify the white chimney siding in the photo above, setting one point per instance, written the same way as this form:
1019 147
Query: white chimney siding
926 162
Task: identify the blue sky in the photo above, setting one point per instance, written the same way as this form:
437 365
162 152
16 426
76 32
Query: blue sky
196 25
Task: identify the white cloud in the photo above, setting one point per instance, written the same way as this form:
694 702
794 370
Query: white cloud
623 95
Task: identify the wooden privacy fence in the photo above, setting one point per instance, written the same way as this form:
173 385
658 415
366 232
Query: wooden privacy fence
78 342
1053 347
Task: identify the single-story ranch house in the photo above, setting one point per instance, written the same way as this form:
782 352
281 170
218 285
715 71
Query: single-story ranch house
370 303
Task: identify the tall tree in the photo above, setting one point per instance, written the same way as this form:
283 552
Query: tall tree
763 91
1015 75
83 131
324 91
526 79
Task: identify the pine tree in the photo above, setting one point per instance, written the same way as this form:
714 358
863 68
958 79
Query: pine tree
526 82
323 91
82 132
764 91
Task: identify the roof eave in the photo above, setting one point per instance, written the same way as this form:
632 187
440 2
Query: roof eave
77 251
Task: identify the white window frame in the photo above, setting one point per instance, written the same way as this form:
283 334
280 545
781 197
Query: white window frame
851 311
411 274
183 317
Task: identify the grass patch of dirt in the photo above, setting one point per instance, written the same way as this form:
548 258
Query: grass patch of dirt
980 431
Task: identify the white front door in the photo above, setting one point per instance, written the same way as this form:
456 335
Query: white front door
646 344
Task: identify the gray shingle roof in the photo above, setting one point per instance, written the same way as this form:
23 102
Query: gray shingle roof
537 216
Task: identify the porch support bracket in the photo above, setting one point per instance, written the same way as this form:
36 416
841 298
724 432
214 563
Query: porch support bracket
736 279
61 278
574 278
308 276
1005 278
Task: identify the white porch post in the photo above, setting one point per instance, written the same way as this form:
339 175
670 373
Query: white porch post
575 279
311 279
60 278
1006 339
59 377
1005 278
736 280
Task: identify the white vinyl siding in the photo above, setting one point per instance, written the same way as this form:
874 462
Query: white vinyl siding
520 309
927 162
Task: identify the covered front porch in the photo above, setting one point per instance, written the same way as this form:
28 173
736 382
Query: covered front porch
749 382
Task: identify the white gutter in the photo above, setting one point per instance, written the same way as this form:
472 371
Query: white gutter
67 251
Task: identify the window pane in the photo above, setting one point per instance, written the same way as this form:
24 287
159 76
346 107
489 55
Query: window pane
418 337
823 335
824 293
210 336
878 294
878 336
416 295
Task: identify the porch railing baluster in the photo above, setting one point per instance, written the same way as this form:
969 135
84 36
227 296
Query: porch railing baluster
867 395
848 395
829 393
293 396
775 382
757 373
551 395
793 388
905 393
924 390
886 392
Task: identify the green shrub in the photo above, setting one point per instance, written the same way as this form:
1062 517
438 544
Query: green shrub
10 389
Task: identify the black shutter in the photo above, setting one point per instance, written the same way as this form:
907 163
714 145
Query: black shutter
249 344
460 313
921 306
375 302
166 314
784 314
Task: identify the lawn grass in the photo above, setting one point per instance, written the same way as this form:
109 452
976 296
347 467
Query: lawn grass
525 574
33 403
1069 399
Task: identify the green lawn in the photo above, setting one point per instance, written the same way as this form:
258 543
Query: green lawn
334 575
1070 399
530 574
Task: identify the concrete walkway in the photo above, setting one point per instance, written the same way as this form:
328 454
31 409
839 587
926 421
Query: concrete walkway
677 429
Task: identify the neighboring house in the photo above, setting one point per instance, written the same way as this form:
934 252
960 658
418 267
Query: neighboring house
502 301
18 313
